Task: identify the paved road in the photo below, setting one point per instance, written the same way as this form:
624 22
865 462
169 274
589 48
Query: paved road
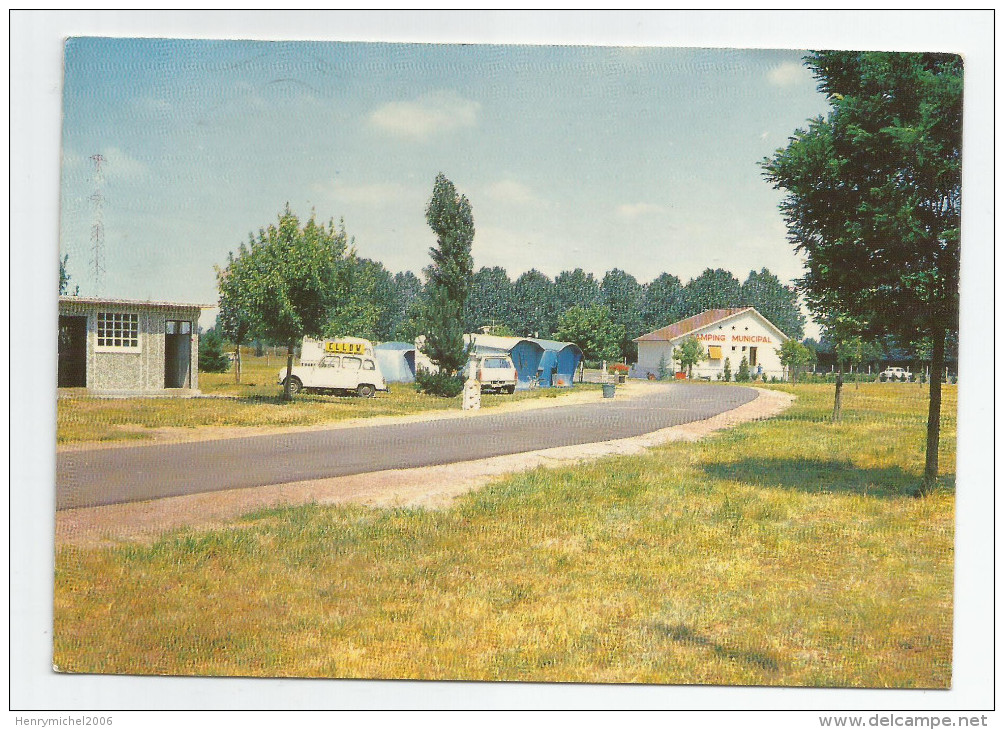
109 476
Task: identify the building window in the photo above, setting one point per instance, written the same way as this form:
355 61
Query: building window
714 352
118 331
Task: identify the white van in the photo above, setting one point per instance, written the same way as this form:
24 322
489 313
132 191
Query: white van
345 365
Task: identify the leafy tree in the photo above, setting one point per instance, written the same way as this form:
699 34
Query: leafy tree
575 289
665 302
873 199
212 359
793 355
689 353
624 296
743 374
401 319
491 300
363 299
288 275
713 289
535 311
777 302
844 332
236 317
592 329
727 370
449 276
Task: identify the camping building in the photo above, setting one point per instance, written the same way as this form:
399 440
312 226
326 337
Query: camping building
726 334
120 346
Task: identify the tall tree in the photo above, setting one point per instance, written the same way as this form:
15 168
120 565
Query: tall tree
665 302
534 307
288 278
449 276
624 296
575 289
713 289
873 199
778 302
491 300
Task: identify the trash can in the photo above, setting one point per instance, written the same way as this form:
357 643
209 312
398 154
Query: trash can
608 390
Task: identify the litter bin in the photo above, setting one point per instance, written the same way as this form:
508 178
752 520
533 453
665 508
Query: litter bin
608 390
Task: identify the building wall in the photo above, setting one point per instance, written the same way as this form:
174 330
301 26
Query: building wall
734 336
144 369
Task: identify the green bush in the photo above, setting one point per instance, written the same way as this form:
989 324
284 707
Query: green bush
212 359
441 384
743 374
727 370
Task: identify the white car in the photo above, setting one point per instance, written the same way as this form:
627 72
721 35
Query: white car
895 374
496 372
359 374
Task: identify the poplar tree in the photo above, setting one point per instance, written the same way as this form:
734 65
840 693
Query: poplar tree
449 275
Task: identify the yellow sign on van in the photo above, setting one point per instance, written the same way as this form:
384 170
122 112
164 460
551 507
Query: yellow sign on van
345 348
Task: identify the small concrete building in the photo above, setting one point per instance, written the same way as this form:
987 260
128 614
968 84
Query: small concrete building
120 346
730 334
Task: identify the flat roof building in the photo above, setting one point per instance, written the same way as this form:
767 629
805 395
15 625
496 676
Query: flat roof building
124 347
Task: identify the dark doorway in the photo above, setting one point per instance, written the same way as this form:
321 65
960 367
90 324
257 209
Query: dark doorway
752 357
72 368
177 353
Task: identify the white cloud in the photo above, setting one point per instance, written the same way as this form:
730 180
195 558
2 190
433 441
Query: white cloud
436 112
634 210
788 74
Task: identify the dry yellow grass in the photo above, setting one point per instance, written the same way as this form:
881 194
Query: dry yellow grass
784 552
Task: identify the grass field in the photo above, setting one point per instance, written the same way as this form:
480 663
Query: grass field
782 552
255 402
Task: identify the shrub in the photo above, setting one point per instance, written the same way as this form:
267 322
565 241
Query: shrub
664 371
441 384
923 377
774 380
212 359
727 370
743 375
883 377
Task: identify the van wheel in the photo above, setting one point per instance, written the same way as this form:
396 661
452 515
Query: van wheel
510 389
295 386
365 391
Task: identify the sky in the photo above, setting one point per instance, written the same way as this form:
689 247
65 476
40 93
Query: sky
644 159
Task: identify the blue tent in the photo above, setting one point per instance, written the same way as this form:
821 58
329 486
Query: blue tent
558 364
397 361
525 354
